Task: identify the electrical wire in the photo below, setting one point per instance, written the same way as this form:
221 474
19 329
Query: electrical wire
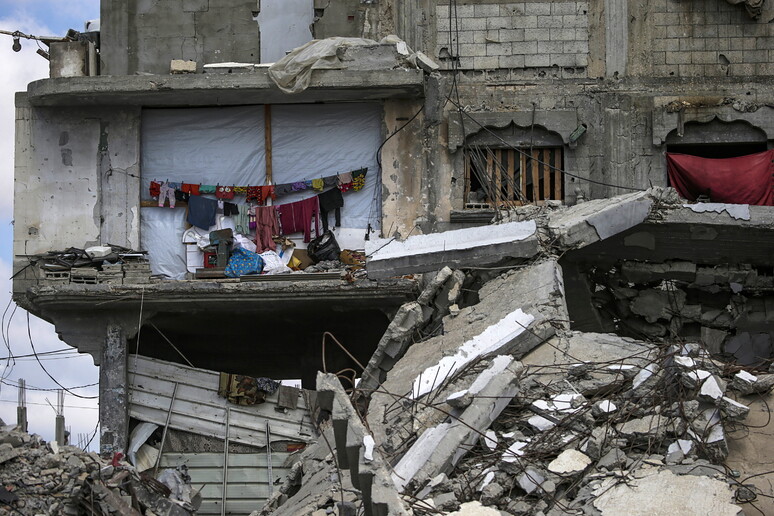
32 388
29 334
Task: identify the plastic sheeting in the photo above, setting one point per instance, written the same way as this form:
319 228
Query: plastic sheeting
226 146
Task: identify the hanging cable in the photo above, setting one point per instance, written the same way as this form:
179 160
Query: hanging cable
29 334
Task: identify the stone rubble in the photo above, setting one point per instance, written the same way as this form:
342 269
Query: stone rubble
39 478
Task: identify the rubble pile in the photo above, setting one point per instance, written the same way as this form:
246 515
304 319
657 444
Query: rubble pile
39 478
505 408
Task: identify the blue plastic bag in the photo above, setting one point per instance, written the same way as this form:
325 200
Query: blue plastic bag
243 262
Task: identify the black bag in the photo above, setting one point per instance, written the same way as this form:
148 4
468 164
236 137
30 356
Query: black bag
324 247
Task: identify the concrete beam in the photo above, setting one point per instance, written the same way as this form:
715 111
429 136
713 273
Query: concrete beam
460 248
223 90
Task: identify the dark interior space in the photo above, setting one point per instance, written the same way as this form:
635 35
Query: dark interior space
283 346
718 150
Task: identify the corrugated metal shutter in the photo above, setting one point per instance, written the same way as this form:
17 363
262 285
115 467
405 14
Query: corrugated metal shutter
248 483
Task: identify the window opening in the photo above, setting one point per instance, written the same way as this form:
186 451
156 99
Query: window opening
497 177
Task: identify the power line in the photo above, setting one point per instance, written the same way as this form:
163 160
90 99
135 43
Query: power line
10 383
46 404
29 334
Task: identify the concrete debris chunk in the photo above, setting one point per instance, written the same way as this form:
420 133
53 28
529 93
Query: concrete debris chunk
569 462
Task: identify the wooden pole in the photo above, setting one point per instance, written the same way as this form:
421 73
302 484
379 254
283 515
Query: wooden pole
267 142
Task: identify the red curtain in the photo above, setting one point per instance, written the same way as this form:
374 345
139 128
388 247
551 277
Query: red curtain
743 180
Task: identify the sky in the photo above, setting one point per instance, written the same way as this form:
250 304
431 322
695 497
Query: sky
41 18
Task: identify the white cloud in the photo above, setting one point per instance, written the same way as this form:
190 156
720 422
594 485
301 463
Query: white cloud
68 369
19 69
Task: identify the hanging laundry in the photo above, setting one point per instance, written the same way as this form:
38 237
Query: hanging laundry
358 179
267 226
297 217
190 189
331 181
207 189
225 192
230 209
330 201
283 189
246 390
155 189
175 186
298 186
201 212
181 195
267 192
253 194
240 190
242 220
318 184
166 192
345 181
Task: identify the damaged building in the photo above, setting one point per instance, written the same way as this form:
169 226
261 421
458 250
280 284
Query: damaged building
393 257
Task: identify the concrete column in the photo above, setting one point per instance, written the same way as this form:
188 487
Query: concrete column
113 389
59 430
616 37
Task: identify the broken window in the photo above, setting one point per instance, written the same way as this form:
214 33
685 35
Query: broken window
496 177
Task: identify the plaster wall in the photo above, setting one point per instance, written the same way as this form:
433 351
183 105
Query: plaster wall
74 183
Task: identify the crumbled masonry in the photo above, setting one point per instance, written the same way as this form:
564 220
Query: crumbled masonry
483 412
39 478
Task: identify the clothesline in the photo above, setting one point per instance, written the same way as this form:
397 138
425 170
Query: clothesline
353 180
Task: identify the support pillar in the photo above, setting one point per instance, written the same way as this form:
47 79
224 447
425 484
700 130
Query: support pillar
113 390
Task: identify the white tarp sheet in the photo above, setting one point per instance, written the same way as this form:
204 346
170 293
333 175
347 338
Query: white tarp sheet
226 146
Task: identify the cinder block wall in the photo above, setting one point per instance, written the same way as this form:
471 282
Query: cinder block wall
513 35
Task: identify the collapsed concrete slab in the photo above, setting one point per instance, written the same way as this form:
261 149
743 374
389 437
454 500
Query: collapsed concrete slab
515 313
469 247
596 220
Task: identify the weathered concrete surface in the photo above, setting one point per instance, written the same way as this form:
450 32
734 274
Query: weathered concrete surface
470 247
597 220
113 394
662 493
749 449
537 290
228 89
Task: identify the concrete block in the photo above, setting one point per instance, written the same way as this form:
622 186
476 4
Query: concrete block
485 10
666 45
536 35
550 47
536 61
457 248
563 60
524 22
500 22
473 24
182 66
560 8
546 22
498 49
516 61
562 34
575 47
507 35
543 8
677 58
485 63
525 47
575 21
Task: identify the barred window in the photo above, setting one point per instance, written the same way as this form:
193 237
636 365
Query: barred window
497 177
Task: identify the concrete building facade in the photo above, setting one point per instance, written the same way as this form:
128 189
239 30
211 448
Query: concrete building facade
532 102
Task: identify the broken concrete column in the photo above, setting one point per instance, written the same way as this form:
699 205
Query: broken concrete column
355 451
113 383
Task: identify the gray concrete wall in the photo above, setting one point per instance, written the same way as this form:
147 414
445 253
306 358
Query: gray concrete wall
618 65
144 36
75 179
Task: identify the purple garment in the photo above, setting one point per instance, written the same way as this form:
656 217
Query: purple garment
301 185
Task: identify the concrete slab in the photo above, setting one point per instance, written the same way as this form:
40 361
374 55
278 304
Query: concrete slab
599 219
460 248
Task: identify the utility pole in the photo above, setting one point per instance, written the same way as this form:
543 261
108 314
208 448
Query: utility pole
21 408
59 429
